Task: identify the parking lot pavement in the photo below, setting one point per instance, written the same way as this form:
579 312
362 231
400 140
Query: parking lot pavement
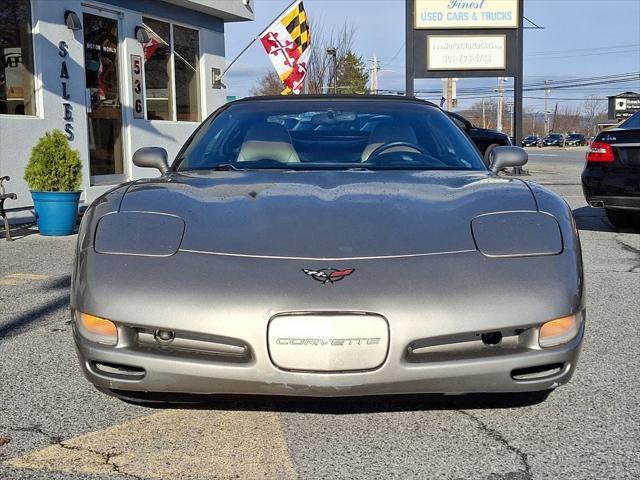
59 427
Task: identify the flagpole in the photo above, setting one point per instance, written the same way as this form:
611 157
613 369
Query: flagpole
254 39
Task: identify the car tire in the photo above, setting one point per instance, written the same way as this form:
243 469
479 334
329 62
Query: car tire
487 153
623 219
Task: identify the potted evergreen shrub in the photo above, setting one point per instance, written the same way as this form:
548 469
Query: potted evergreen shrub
54 175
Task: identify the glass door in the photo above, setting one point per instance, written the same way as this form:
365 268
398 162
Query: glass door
101 54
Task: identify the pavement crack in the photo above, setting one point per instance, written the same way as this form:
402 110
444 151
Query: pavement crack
628 248
53 439
498 437
58 441
105 456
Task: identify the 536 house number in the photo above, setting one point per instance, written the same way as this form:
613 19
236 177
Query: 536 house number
136 79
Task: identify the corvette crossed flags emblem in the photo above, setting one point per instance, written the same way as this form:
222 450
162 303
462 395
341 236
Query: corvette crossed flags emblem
329 275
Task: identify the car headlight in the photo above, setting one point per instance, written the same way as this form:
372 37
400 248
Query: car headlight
559 331
139 233
96 329
517 234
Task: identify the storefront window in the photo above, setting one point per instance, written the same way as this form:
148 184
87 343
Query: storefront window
157 55
187 56
172 57
16 59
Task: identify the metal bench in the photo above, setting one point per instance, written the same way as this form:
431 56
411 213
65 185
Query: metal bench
5 196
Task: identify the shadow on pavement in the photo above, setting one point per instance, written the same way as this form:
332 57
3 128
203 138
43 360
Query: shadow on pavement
17 324
335 405
18 232
595 220
592 219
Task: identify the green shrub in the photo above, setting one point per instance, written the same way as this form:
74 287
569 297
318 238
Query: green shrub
54 166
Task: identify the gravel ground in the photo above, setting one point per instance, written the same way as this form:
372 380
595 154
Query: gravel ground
59 427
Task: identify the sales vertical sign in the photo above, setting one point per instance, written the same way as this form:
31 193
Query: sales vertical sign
136 82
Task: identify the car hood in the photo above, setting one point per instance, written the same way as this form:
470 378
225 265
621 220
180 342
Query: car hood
328 214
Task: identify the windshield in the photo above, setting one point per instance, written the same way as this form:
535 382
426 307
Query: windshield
632 122
531 138
305 134
555 135
574 136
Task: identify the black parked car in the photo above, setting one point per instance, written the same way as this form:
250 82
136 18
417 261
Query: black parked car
486 140
553 140
575 140
611 177
531 141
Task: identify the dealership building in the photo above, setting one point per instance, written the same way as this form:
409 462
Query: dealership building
114 75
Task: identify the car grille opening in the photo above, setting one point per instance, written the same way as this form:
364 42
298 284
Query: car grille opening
213 347
469 346
538 372
117 371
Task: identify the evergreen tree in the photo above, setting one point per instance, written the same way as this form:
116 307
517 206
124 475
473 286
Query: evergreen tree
352 75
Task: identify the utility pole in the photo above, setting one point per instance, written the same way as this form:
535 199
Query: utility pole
373 75
510 109
547 92
484 117
499 125
449 95
555 114
534 124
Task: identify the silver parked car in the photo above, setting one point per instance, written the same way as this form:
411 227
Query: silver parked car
328 246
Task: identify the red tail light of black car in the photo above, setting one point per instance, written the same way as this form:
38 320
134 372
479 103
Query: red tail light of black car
600 152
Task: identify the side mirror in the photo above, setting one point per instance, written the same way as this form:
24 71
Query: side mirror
152 157
504 157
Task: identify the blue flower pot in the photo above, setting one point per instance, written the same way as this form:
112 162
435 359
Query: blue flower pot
56 212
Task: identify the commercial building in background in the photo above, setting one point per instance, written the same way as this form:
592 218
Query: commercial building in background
623 105
114 75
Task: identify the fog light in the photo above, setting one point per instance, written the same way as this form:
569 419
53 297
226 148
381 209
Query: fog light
164 337
559 331
96 329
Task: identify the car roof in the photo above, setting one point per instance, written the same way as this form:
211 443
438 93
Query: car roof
333 97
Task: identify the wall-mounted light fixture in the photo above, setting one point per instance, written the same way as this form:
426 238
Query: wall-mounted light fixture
72 20
142 35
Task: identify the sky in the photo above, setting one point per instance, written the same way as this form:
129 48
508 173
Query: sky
581 38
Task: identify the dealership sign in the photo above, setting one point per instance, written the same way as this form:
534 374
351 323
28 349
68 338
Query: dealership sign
456 14
466 52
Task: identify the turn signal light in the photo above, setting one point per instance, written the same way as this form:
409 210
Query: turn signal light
559 331
600 152
96 329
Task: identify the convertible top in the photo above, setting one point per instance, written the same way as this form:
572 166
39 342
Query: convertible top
293 98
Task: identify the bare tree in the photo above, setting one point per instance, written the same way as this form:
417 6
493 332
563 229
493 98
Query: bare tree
594 112
320 72
568 119
483 113
268 84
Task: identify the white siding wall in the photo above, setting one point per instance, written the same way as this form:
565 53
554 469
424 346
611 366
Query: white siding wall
19 134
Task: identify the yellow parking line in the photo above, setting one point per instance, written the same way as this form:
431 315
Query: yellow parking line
176 444
21 278
27 276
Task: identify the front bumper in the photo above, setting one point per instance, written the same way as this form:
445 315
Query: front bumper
401 373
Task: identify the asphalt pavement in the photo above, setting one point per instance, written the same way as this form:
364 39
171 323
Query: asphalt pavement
54 425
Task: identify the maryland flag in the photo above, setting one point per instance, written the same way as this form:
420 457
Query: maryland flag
287 42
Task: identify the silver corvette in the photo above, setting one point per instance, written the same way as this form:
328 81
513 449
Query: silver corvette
328 246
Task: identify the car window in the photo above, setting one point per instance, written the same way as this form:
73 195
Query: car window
632 122
458 121
329 134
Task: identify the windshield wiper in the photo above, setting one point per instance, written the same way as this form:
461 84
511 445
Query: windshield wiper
225 167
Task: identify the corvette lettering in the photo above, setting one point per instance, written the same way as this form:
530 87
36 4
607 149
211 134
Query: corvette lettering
327 342
329 275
